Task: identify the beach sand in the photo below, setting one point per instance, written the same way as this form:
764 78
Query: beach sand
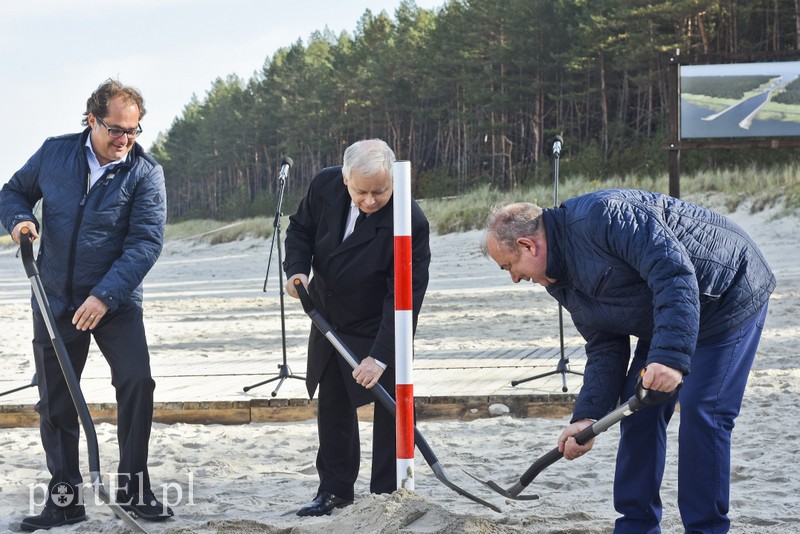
205 301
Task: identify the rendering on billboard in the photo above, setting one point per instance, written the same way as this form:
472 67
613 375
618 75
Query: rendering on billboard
740 100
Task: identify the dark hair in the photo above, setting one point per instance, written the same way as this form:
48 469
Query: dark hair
97 104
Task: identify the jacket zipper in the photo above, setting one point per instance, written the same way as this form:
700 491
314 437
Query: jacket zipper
105 181
106 178
71 263
602 282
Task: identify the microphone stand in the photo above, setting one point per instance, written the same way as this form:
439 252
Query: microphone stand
562 367
284 371
34 382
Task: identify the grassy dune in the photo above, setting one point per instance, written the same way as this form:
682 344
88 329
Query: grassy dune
724 190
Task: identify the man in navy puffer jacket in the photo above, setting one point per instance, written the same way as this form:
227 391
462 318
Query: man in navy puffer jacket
102 229
693 288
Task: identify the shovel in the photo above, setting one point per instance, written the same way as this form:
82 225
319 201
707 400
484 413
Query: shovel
73 384
641 398
380 393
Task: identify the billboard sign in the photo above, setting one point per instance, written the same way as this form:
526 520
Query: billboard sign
740 100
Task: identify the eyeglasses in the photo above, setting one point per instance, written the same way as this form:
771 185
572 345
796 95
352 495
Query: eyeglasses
116 133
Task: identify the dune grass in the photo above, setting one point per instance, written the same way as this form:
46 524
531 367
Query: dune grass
724 190
215 232
721 189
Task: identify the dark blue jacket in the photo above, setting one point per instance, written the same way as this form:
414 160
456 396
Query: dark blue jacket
102 243
636 263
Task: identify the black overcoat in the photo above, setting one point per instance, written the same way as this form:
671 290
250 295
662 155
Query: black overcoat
352 281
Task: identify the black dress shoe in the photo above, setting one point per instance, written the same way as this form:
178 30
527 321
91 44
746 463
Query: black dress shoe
323 504
53 516
145 506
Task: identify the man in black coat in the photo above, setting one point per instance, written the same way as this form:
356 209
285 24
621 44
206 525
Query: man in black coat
343 233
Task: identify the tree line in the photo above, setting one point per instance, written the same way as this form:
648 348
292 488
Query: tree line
469 93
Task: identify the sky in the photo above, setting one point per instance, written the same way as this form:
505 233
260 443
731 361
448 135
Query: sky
54 53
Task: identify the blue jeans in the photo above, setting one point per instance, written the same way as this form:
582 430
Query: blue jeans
710 399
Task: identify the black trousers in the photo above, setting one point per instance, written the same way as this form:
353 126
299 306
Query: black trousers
339 453
120 336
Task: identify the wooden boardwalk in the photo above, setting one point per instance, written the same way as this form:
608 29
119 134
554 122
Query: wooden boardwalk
447 384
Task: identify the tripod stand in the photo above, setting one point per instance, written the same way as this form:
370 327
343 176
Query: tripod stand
10 391
562 367
284 371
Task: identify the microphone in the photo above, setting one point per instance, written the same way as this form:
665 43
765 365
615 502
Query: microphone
285 166
558 143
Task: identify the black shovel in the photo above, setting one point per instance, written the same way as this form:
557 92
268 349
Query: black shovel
641 398
380 393
73 384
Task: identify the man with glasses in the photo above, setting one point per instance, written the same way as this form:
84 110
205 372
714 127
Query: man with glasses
102 229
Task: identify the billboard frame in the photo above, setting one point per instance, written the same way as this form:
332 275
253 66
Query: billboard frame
675 144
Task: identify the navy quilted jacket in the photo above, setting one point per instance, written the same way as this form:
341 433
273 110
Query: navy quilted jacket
102 243
637 263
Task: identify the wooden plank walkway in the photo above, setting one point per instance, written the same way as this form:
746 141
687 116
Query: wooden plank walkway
448 384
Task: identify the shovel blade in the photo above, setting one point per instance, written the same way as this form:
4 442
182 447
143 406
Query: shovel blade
438 471
511 493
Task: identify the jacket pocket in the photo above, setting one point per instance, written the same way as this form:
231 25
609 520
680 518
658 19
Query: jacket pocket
601 283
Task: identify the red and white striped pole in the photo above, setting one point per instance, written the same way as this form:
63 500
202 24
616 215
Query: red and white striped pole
403 325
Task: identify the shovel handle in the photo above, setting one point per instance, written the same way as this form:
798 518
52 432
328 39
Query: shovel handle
645 397
381 394
302 293
71 378
26 250
641 398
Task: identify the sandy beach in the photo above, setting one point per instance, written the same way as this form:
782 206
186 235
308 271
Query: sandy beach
205 302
